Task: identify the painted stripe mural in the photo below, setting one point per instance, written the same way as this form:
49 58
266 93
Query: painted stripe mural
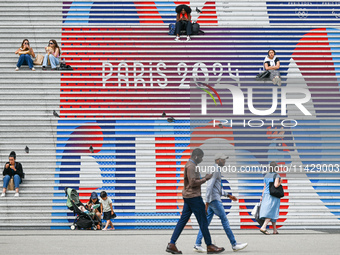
129 97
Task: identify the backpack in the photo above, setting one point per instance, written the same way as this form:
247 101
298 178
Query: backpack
196 29
172 27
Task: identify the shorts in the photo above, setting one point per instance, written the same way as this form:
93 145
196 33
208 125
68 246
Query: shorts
107 215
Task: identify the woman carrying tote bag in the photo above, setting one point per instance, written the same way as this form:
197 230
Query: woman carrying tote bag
270 205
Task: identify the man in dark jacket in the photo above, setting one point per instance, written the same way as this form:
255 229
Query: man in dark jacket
12 169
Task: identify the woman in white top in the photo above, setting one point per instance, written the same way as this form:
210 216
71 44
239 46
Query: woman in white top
272 64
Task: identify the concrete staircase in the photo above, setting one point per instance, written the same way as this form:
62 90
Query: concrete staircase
127 72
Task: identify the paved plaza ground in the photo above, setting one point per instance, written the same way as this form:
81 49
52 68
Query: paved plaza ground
149 242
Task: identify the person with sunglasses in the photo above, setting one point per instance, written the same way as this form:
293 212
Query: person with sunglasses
52 54
26 53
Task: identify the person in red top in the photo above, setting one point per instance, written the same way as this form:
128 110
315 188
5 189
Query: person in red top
183 20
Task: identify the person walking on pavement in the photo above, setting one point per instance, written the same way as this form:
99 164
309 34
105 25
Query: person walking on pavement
214 205
193 203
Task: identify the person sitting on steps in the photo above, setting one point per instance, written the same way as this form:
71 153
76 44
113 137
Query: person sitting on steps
26 53
12 169
272 64
52 53
183 19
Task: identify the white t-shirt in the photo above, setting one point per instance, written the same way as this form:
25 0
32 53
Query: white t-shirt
106 204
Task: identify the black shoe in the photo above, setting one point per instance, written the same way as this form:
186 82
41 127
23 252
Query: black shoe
44 68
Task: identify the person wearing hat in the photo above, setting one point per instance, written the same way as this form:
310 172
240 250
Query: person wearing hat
95 201
214 205
193 203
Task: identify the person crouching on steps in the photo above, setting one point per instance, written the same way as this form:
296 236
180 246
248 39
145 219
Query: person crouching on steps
106 208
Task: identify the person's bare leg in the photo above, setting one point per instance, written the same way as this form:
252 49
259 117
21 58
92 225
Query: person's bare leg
17 190
4 190
107 224
264 226
274 227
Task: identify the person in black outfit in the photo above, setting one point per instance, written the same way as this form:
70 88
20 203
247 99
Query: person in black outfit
95 201
12 169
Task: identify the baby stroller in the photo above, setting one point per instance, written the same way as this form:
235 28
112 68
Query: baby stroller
84 219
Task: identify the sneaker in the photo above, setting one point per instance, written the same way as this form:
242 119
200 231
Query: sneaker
177 38
33 69
199 248
239 246
17 69
188 38
16 194
104 229
278 82
275 81
3 194
44 68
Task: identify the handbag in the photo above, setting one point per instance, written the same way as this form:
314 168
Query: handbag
114 215
276 192
257 207
38 59
11 184
263 75
253 212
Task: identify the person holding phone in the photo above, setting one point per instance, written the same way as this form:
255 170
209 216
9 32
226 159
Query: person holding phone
26 53
52 54
214 205
12 169
193 203
183 19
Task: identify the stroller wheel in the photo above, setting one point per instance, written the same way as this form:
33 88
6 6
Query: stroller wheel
73 227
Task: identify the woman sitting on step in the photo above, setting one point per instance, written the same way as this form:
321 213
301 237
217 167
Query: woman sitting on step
183 20
26 53
272 64
12 169
52 55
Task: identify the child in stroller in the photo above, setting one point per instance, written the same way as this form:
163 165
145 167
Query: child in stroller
86 217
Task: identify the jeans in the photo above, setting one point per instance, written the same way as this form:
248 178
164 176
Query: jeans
186 24
192 205
53 60
25 59
17 181
216 207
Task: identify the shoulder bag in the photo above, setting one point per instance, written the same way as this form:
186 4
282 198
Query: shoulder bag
276 192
